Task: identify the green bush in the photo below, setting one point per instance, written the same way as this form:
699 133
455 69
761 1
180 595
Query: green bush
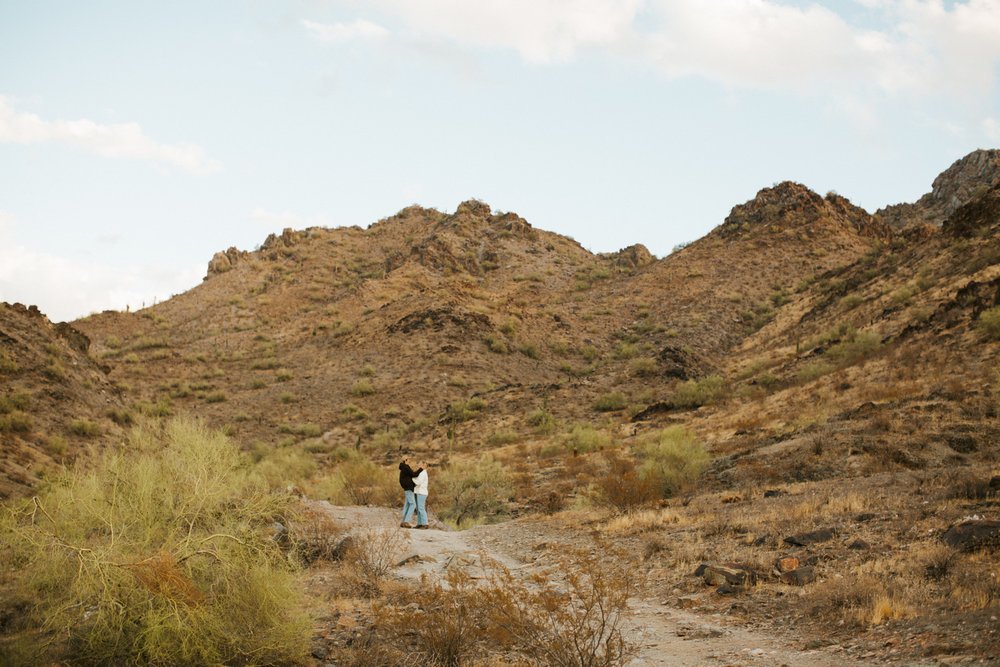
695 393
282 467
855 348
15 400
643 367
585 438
989 323
156 553
7 362
461 411
84 428
543 421
610 402
15 422
362 388
673 460
468 493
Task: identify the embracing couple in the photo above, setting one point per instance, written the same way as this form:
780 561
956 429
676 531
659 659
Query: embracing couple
414 485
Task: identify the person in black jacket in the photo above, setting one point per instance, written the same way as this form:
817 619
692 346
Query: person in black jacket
406 475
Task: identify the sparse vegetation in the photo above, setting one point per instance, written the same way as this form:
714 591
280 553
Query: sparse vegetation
585 438
695 393
84 428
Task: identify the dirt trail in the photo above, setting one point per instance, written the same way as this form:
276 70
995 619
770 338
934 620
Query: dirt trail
666 635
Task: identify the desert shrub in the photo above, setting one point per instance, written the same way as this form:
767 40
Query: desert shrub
502 437
543 421
855 348
575 623
695 393
585 438
461 411
626 351
284 375
359 481
15 421
589 352
161 408
814 370
529 350
215 397
7 362
374 553
852 301
643 367
265 364
54 369
496 344
120 416
302 429
15 400
157 553
623 487
472 492
610 402
673 460
312 535
989 323
84 428
362 387
285 466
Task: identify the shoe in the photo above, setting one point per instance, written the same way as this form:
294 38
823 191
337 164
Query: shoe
406 525
423 527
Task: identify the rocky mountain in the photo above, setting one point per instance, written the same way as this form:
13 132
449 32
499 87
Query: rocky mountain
455 332
962 182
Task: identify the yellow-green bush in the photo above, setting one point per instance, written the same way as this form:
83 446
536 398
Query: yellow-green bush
467 493
989 323
695 393
673 459
156 553
585 438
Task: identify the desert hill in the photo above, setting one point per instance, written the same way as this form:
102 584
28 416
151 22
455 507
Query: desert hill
392 331
837 370
54 399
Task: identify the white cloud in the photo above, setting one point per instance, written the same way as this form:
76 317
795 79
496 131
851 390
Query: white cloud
541 31
65 289
343 32
907 48
119 140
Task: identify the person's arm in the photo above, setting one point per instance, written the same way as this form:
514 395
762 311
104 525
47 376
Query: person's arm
417 473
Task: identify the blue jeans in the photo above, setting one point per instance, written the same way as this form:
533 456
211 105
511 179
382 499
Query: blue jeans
408 506
422 509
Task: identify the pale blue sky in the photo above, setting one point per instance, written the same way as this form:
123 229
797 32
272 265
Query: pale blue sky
138 138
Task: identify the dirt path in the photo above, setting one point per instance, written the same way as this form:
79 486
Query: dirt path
665 635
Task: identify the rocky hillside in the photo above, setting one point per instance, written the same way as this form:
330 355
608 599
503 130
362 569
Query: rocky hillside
962 182
54 399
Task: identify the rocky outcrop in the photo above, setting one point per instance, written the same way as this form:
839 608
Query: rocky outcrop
631 258
964 181
225 261
791 205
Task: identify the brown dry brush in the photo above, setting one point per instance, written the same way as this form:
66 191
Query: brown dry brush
575 621
578 622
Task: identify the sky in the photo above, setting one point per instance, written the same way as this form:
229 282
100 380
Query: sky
139 138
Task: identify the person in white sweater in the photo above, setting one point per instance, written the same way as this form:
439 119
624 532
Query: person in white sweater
420 484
